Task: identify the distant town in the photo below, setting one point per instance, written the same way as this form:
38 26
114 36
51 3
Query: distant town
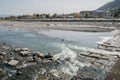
108 14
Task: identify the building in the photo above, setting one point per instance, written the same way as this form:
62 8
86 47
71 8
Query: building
93 14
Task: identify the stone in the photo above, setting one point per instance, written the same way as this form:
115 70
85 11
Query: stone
5 62
96 56
11 58
5 48
65 76
18 73
3 53
1 72
25 53
17 49
39 54
24 49
13 62
54 72
49 56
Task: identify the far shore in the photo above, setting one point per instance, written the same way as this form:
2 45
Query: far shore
68 26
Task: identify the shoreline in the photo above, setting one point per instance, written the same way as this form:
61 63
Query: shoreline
56 26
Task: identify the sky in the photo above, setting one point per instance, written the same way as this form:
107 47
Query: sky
17 7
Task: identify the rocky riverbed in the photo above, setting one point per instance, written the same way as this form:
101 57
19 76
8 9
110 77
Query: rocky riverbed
68 26
24 64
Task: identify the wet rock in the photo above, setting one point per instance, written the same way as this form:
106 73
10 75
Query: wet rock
30 59
11 53
18 73
12 58
24 49
13 62
24 53
5 48
66 76
5 62
46 61
87 79
54 72
95 56
41 77
49 56
38 54
3 53
1 72
17 49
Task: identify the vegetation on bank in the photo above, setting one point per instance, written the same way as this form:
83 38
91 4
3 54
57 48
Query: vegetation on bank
42 16
113 13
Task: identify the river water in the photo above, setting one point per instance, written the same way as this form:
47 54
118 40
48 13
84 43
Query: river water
65 44
52 41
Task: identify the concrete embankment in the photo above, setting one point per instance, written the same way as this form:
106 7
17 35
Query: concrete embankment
113 45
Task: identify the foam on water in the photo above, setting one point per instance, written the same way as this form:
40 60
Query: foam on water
70 67
104 39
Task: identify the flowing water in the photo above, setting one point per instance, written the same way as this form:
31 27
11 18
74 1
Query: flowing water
52 40
65 44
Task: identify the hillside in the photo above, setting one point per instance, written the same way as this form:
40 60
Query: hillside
111 5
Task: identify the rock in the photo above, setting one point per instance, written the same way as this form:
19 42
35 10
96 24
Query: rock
66 76
1 72
24 49
5 62
3 54
25 53
21 49
11 58
38 54
18 73
13 62
17 49
5 48
49 56
11 53
54 72
30 59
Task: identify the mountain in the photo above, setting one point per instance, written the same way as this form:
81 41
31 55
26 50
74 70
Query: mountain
111 5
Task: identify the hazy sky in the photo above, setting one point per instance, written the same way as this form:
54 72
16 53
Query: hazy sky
48 6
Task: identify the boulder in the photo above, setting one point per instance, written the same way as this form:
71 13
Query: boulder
65 76
49 56
21 49
54 72
3 53
5 62
24 53
38 54
24 49
17 49
13 62
5 48
1 72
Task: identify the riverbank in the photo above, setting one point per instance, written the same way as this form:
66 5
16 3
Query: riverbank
69 26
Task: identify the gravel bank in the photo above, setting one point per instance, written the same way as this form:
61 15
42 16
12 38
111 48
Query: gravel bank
71 26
